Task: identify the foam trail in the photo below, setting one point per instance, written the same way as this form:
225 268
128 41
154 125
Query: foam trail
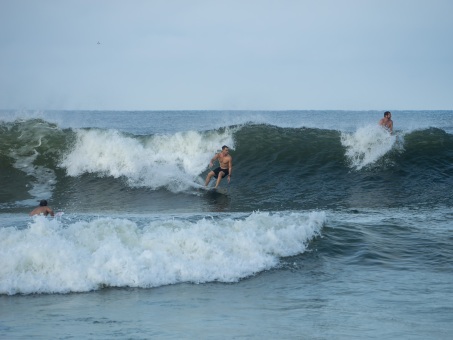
32 136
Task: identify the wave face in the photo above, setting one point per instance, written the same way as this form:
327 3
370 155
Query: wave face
275 168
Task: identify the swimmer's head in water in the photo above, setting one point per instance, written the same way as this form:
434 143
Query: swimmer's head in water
43 203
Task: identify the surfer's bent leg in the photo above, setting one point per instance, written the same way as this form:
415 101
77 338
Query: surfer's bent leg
214 173
208 178
219 178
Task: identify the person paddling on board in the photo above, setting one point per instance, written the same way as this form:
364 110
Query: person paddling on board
387 122
225 168
42 209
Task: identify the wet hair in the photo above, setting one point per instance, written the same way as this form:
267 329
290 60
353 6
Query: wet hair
386 113
43 203
223 147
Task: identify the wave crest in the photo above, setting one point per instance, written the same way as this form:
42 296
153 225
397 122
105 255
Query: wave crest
171 161
367 145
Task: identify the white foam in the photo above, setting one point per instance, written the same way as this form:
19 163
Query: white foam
367 145
44 178
172 161
50 256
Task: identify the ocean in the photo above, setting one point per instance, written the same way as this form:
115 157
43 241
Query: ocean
331 227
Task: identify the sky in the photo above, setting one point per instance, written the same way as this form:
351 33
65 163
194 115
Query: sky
226 55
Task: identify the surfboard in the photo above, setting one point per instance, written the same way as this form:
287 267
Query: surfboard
223 191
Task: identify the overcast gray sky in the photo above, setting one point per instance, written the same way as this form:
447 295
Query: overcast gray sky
245 54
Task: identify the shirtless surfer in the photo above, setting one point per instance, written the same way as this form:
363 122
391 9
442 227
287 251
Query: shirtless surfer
42 209
387 122
225 168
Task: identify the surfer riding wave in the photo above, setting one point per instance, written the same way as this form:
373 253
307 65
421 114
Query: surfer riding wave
225 167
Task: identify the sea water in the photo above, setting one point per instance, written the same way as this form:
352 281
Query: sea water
332 227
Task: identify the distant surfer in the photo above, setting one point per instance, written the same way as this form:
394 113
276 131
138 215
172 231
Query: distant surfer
42 209
387 122
225 168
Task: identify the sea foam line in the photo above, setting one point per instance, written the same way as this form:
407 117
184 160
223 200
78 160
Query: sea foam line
51 257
